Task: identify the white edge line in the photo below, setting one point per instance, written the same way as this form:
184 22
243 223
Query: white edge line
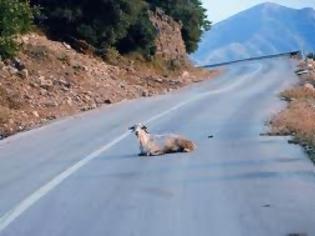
19 209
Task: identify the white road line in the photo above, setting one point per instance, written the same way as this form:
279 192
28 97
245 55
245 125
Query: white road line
19 209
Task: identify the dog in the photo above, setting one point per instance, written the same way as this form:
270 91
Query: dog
156 145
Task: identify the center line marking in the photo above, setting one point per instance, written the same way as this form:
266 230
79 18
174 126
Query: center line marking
19 209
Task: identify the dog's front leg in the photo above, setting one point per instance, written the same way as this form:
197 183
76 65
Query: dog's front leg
156 153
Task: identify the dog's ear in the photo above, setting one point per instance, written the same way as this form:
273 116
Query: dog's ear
132 128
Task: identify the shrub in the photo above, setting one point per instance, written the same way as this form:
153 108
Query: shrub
64 58
140 37
111 56
102 23
123 24
311 55
15 17
37 52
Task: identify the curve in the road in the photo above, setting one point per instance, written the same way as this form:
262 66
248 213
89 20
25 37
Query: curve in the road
18 210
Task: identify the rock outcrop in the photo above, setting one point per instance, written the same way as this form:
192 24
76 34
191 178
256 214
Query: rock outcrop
169 41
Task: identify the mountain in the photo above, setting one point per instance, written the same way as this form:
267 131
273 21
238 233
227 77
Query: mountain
264 29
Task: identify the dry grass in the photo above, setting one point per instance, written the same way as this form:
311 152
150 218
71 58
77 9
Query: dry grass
298 93
10 100
159 65
38 52
297 119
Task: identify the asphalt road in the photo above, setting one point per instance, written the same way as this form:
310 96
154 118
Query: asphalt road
82 176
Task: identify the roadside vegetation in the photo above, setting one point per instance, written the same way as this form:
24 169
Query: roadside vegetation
16 17
298 118
103 24
120 24
58 58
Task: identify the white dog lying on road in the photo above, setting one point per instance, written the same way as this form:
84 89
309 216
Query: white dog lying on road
155 145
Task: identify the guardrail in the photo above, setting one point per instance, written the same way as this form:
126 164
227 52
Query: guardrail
292 54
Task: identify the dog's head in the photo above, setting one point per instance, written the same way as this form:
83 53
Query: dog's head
137 128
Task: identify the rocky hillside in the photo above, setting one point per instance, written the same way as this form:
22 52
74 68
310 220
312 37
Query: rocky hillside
49 79
262 30
169 41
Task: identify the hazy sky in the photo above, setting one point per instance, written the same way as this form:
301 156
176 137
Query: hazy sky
220 9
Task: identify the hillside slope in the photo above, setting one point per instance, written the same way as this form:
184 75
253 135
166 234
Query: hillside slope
49 80
262 30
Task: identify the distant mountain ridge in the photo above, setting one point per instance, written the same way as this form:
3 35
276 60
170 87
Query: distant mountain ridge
264 29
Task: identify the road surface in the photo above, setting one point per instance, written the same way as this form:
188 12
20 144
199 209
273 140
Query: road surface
82 176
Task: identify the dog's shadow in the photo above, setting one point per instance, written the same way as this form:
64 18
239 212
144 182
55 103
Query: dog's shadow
121 157
140 157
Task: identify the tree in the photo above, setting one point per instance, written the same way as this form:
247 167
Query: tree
141 37
15 17
122 24
102 23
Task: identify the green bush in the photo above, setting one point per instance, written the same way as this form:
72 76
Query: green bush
15 17
123 24
140 37
111 56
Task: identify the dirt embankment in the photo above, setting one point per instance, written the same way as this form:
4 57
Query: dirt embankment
49 80
298 119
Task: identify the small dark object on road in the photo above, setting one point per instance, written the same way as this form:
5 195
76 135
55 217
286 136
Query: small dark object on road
210 136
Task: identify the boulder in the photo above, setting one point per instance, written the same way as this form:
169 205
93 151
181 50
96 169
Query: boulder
67 46
45 84
310 66
12 70
309 86
24 74
17 63
302 72
63 82
35 113
185 74
69 101
145 93
159 80
43 92
50 103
